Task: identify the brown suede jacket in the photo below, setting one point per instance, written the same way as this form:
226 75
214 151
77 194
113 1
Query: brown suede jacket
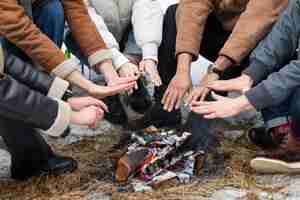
19 29
249 21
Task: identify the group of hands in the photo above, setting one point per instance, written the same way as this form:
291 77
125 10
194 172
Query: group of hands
88 110
91 109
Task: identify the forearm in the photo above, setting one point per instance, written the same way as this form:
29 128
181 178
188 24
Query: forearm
223 63
107 69
183 63
76 78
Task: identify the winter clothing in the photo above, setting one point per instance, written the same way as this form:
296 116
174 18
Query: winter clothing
249 21
17 27
21 102
145 16
214 38
25 111
275 60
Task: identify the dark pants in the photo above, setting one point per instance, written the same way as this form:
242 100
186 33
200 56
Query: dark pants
214 38
28 149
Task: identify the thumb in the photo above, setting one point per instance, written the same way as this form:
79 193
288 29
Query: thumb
142 66
220 85
217 97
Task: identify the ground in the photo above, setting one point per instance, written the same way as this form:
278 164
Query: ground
231 178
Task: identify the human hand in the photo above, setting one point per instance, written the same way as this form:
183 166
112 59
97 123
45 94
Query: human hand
240 84
149 66
223 107
87 116
179 85
129 70
201 91
78 103
113 88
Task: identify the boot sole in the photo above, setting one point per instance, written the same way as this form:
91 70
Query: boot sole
273 166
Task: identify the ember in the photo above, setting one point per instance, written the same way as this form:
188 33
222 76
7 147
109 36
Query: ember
154 157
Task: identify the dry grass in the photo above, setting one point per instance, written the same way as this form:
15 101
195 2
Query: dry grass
95 173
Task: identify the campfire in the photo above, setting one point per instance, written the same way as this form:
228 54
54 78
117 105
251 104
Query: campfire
153 157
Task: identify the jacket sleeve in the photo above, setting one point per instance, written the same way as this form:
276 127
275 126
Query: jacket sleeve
268 59
85 32
252 26
147 19
20 30
40 81
19 102
117 57
191 20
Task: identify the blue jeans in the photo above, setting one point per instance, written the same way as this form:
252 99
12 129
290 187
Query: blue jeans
285 112
49 18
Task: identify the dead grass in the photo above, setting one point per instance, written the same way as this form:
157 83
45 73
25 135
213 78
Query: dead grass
95 174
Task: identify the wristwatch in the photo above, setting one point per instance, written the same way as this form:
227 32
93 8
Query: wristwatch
213 69
68 94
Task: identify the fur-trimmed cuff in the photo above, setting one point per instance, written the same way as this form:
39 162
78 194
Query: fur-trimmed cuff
58 88
118 59
99 56
66 68
62 120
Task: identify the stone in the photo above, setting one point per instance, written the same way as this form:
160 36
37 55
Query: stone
233 134
230 193
99 196
5 162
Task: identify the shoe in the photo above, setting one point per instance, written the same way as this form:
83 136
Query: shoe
140 100
269 139
116 113
58 165
285 159
55 165
157 117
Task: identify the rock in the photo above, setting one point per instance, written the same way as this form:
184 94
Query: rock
230 193
99 196
5 162
78 132
234 134
291 192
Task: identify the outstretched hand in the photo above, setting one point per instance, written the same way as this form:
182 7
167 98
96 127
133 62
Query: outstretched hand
240 84
149 67
118 86
178 87
223 107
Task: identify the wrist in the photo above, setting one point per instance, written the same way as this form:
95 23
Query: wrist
107 69
223 62
184 62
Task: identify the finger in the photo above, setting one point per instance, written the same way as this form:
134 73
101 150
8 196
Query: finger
201 103
142 66
204 110
158 81
125 80
204 94
171 100
103 106
179 99
165 96
119 88
217 97
218 85
211 116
